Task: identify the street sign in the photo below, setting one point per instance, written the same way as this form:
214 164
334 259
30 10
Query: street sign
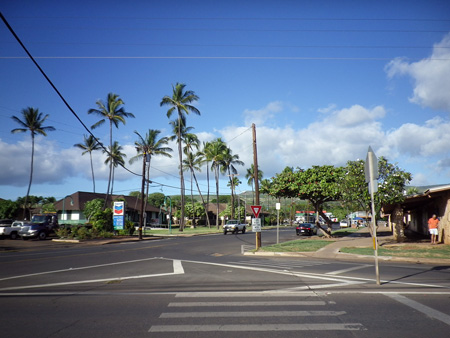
256 210
256 224
118 215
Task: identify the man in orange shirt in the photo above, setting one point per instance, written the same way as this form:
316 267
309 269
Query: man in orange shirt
433 224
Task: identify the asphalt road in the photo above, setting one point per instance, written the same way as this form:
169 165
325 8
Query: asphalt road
204 287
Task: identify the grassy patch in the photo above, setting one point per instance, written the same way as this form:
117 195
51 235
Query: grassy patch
344 232
187 230
305 245
407 250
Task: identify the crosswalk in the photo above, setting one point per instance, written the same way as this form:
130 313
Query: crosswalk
291 264
252 312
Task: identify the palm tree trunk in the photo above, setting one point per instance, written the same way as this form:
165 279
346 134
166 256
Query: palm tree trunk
203 200
217 196
92 169
31 177
207 197
180 155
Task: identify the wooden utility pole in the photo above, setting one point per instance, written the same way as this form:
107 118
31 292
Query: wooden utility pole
255 173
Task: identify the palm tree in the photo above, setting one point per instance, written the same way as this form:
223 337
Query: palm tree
250 176
181 103
194 162
228 167
32 120
146 148
215 152
115 113
114 158
90 144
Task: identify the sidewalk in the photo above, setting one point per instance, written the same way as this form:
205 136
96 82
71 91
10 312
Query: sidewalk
361 238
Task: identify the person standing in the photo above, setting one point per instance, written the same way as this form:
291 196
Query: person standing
433 224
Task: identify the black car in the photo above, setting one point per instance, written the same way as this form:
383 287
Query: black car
306 229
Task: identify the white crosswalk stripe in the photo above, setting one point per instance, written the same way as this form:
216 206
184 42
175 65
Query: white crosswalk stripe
268 314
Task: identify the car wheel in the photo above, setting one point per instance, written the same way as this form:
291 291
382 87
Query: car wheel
13 235
243 230
42 235
224 232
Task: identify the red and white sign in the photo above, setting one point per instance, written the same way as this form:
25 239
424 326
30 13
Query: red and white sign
256 210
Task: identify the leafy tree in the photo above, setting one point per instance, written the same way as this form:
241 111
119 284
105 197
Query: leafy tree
194 211
92 207
8 209
181 102
391 184
32 120
90 144
114 112
156 199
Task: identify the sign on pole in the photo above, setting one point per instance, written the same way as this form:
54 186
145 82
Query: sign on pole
118 215
256 210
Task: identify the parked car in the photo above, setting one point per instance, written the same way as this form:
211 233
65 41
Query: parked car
343 224
306 229
41 227
7 229
234 226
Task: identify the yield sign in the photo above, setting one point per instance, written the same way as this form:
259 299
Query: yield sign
256 210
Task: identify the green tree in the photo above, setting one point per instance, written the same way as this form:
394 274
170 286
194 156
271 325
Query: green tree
114 158
215 152
156 199
90 144
391 185
229 163
8 209
113 111
250 176
32 121
181 103
147 147
92 207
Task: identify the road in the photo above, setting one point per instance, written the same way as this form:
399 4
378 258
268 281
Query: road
204 287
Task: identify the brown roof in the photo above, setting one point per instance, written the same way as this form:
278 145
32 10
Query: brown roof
77 200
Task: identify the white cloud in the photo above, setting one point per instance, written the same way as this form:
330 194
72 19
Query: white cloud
261 116
431 76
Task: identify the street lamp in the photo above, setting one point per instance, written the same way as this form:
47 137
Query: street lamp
64 206
170 212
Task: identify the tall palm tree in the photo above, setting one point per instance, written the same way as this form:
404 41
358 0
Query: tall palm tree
90 144
228 167
147 147
216 152
180 101
250 176
113 111
32 120
114 158
194 162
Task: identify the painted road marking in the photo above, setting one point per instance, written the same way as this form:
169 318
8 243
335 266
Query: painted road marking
258 327
430 312
250 314
259 303
338 272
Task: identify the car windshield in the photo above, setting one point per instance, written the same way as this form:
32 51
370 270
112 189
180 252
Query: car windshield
38 219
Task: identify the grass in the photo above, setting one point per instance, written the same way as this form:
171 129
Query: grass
299 245
187 231
407 250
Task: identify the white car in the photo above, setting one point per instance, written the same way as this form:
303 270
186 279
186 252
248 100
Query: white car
343 224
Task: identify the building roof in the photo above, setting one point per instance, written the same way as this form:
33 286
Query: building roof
77 200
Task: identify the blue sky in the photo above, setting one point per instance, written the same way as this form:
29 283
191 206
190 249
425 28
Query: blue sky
321 80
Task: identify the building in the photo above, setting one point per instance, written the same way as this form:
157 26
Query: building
70 208
411 216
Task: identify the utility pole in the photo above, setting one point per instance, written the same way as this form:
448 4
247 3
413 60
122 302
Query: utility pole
141 219
256 171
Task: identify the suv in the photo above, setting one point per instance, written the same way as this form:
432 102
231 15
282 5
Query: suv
41 226
9 228
233 226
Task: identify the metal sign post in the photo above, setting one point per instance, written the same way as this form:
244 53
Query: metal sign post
277 206
371 171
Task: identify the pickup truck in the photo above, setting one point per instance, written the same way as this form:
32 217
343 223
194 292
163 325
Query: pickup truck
41 226
9 228
234 226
